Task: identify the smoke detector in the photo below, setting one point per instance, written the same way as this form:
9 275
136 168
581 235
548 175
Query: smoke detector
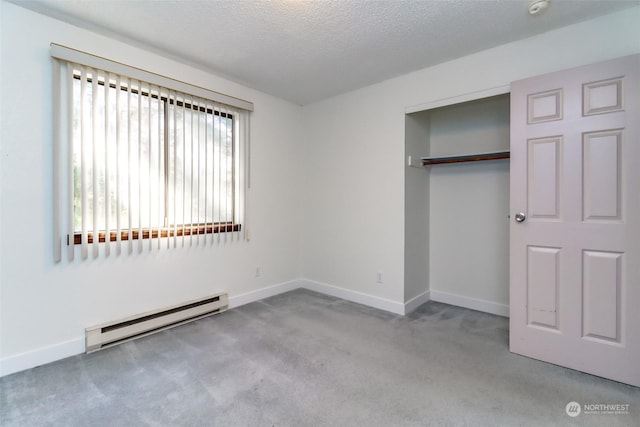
537 7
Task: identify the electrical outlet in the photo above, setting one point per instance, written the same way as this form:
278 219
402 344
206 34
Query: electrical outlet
258 271
379 277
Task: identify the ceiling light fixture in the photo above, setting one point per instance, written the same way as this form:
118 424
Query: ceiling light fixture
536 7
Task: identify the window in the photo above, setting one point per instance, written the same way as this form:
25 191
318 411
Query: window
152 163
137 160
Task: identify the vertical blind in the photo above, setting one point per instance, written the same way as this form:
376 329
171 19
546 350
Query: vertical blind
142 161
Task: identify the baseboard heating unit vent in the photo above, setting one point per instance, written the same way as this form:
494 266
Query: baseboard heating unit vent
112 333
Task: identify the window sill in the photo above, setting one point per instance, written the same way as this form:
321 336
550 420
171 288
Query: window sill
154 233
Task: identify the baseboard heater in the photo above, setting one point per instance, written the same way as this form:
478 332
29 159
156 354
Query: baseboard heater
112 333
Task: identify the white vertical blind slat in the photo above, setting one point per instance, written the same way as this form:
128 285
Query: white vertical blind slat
184 169
107 165
206 169
218 167
191 178
57 142
236 153
162 169
247 165
211 182
197 174
139 170
94 156
70 174
69 146
236 172
239 171
247 186
83 155
231 169
247 124
175 172
129 168
226 170
221 163
213 173
150 177
170 192
230 165
118 166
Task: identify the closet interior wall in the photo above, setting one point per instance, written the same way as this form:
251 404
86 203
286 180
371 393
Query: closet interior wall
416 200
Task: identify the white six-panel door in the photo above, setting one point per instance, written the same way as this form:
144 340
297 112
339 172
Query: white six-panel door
575 254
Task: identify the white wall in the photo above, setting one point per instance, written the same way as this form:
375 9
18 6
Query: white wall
45 304
354 194
354 154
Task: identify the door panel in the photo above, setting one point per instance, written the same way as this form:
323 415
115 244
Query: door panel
544 178
602 97
543 286
601 184
601 295
575 260
545 106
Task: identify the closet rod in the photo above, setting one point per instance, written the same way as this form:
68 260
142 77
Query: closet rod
428 161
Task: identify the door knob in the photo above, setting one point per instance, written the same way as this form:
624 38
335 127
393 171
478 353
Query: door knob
520 217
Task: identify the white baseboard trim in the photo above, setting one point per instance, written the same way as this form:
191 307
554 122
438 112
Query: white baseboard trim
416 302
354 296
259 294
472 303
41 356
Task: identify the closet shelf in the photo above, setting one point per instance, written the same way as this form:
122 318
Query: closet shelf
428 161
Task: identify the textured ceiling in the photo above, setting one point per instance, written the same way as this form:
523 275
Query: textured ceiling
305 51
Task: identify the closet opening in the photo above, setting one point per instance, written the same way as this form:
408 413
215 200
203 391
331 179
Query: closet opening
457 203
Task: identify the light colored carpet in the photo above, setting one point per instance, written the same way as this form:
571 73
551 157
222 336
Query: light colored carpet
305 359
